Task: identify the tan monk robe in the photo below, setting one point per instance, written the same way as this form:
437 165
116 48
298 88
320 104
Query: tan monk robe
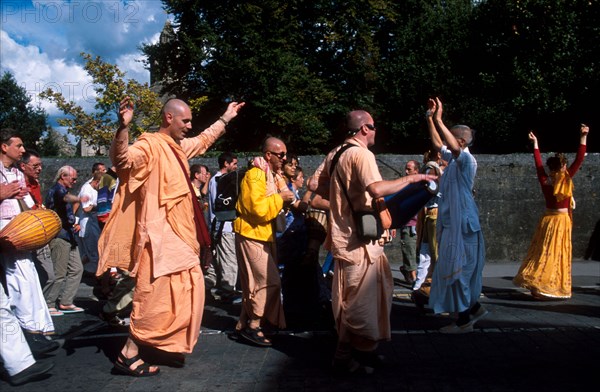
362 284
151 233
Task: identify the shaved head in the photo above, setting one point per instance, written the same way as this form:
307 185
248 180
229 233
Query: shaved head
176 119
174 106
274 152
356 118
272 144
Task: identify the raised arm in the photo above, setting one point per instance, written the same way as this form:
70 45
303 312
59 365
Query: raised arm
584 130
118 147
448 137
436 140
537 157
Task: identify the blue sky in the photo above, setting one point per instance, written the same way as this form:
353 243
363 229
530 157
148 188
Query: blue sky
41 42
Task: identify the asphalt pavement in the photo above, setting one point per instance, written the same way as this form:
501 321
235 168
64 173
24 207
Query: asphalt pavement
522 345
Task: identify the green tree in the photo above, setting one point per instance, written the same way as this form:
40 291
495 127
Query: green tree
500 66
539 63
17 111
110 86
253 51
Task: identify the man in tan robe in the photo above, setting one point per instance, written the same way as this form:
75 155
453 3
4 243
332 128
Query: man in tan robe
151 232
362 283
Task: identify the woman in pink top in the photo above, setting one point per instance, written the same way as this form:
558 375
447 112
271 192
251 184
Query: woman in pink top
546 270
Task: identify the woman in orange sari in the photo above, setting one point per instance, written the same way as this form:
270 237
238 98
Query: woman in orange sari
546 270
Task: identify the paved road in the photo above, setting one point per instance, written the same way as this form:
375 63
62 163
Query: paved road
522 345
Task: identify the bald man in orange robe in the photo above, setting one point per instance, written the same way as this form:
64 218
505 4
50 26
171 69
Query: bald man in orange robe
151 232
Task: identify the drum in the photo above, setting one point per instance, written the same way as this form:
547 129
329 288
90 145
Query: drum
30 230
316 222
404 205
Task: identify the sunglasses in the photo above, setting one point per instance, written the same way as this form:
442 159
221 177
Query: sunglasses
370 126
279 155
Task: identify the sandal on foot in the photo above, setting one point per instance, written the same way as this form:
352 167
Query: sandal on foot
122 365
70 309
55 312
252 335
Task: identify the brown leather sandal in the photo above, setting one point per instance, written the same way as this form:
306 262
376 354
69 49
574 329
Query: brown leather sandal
252 335
122 365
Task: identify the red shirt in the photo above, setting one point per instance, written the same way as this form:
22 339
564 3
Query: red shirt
35 191
547 189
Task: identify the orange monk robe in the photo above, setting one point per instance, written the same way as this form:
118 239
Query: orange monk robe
151 233
362 284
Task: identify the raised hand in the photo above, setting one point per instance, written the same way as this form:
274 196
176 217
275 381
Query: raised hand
126 111
439 109
431 108
532 137
584 129
232 110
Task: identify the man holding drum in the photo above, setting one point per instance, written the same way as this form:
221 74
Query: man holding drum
22 304
362 283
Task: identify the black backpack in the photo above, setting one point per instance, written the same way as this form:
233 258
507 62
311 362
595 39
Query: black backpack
228 190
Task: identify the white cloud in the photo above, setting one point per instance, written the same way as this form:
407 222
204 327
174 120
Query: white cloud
134 67
41 42
35 71
64 29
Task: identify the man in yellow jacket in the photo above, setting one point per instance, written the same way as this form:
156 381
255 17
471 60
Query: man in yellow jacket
263 193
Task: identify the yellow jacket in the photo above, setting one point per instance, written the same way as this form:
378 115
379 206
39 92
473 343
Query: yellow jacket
256 210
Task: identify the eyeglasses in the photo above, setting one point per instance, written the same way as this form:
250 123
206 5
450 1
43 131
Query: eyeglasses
36 166
279 155
371 127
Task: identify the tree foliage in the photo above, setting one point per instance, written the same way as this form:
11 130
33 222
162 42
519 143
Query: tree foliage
17 112
501 66
110 86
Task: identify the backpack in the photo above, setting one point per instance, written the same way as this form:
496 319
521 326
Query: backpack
228 190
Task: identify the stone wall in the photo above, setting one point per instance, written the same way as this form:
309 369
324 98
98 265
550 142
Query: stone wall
506 190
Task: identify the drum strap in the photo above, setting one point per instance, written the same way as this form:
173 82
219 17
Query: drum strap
337 156
334 162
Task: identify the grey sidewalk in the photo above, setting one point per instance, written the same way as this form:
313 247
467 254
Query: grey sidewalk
522 345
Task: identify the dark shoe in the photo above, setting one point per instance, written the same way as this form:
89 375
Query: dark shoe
407 276
369 360
32 373
252 335
40 344
345 365
114 320
122 365
419 299
477 315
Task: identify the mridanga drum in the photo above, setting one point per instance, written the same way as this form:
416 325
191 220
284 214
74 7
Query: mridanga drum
30 230
404 205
